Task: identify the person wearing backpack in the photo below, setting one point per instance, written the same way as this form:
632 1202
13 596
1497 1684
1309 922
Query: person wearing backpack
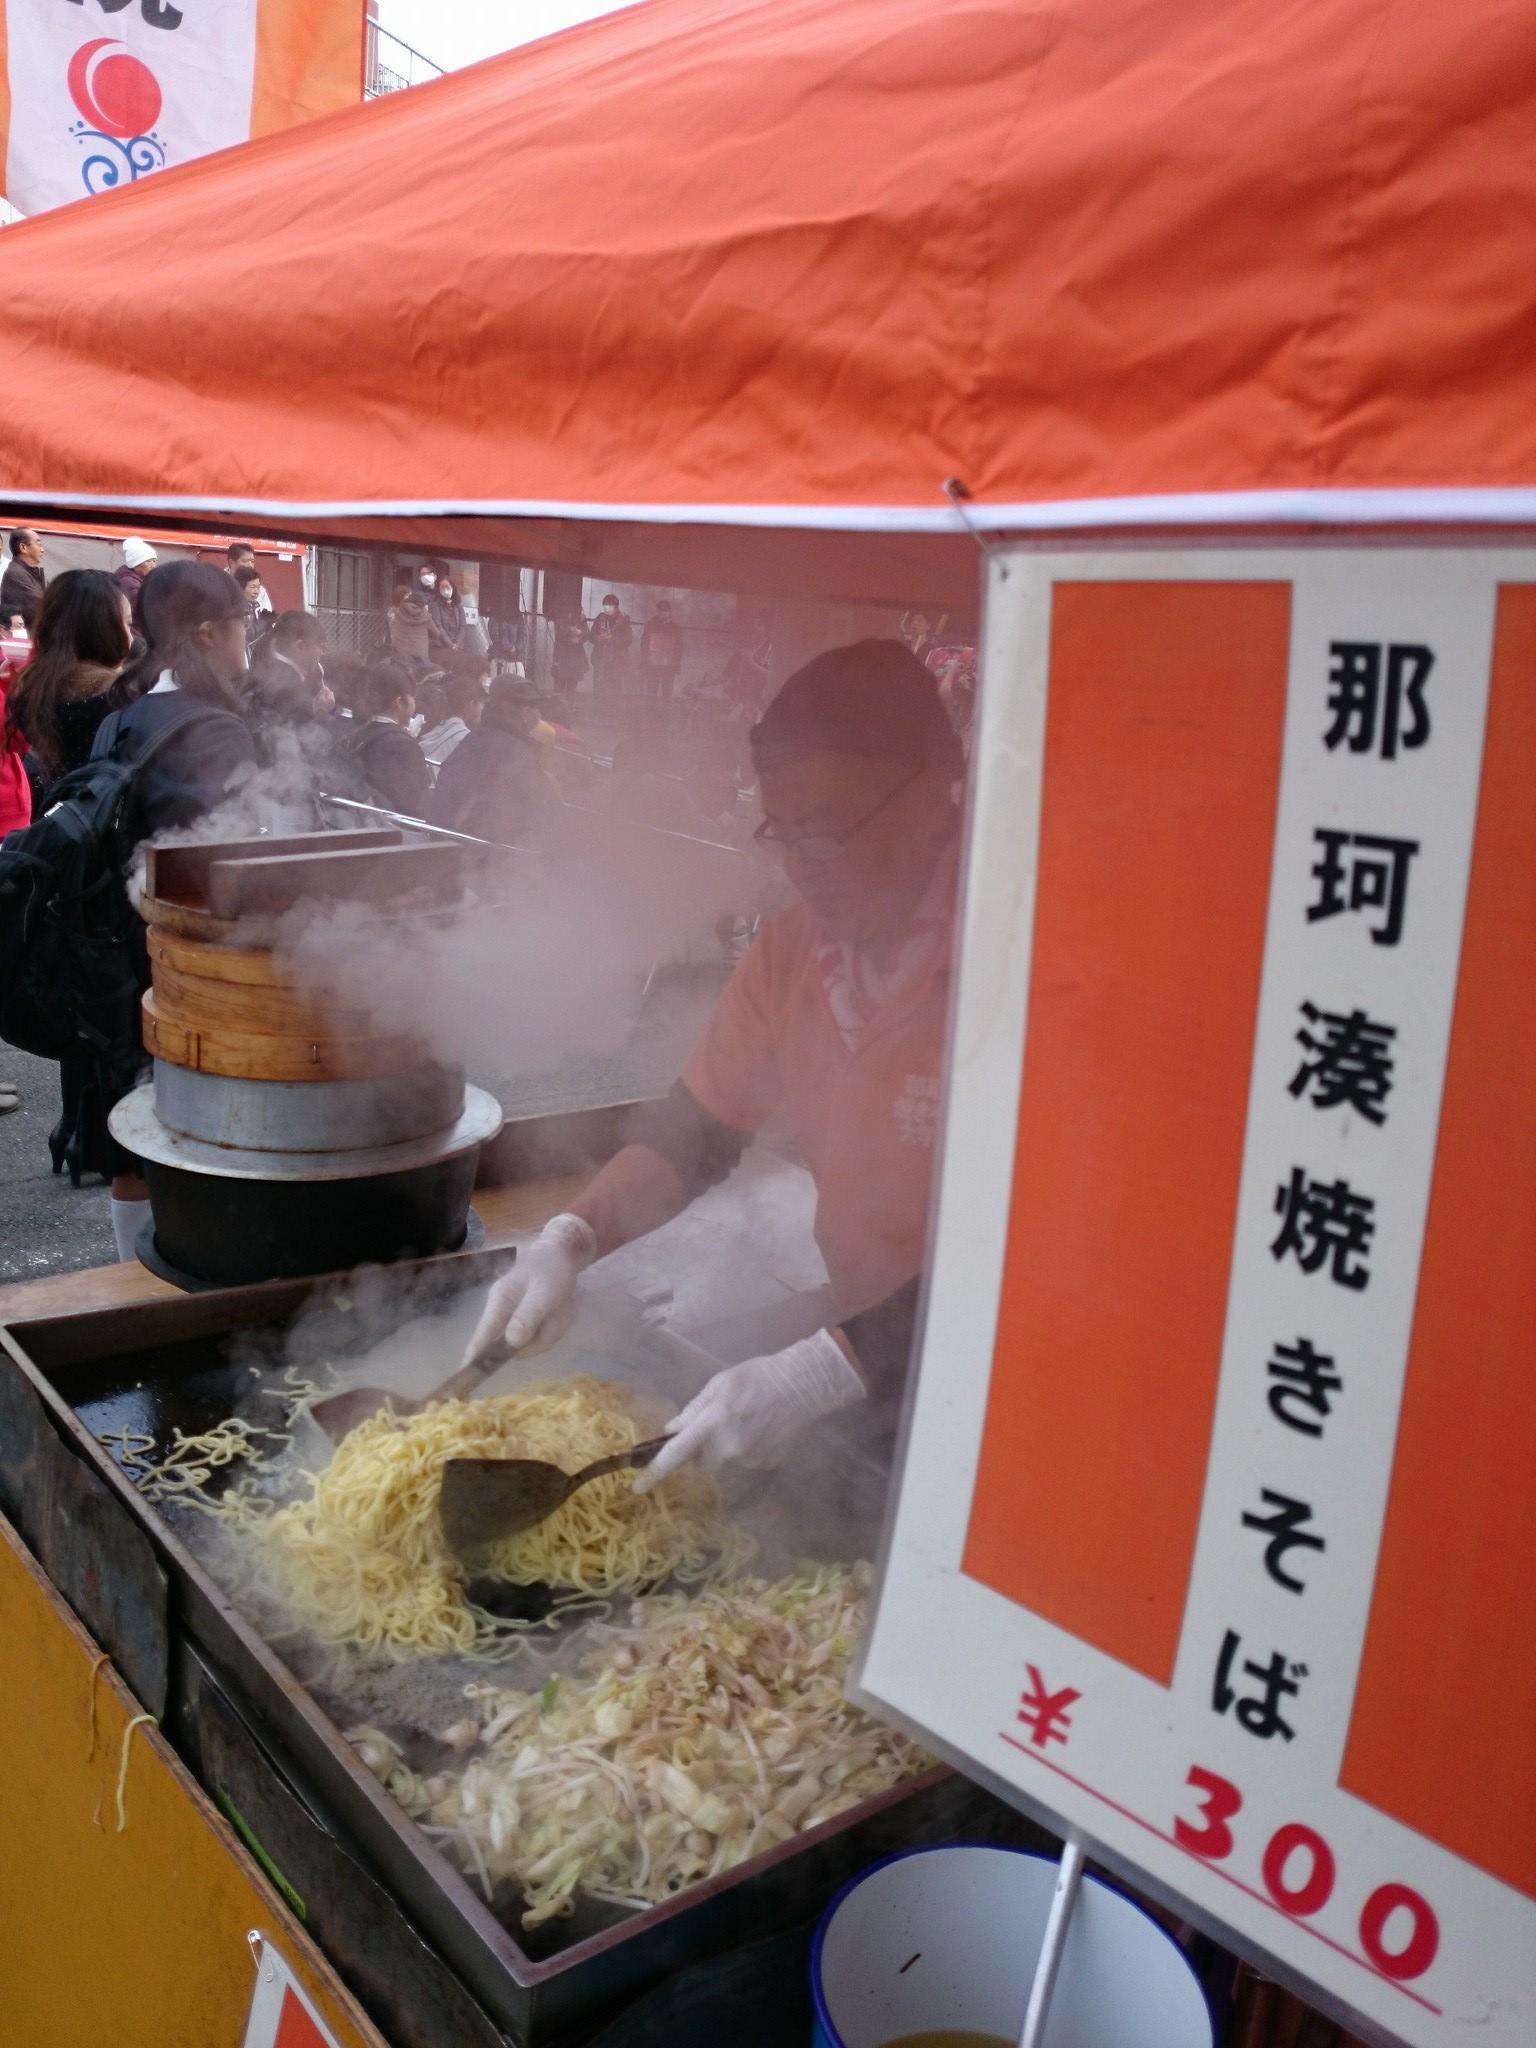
177 751
73 957
83 639
194 620
188 748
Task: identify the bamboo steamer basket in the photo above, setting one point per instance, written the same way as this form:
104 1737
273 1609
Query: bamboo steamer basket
235 1011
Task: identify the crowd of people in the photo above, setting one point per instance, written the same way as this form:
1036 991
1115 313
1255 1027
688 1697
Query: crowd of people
184 675
379 731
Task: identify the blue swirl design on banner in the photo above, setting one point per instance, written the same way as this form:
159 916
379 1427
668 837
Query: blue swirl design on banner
117 159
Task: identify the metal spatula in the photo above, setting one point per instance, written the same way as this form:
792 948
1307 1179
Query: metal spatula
486 1499
340 1413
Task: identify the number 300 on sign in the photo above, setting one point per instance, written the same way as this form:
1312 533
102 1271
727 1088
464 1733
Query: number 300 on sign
1299 1869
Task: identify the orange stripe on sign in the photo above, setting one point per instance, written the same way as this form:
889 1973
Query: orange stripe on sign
1164 730
295 2028
1443 1734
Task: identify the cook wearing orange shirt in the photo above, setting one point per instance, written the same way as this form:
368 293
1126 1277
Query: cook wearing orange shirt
834 1023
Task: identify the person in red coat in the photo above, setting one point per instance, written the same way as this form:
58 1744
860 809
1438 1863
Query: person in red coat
15 790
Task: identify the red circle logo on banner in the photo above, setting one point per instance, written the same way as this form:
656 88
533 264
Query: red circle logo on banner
114 90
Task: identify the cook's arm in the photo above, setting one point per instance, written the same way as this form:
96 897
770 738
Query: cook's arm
753 1412
637 1191
678 1149
879 1340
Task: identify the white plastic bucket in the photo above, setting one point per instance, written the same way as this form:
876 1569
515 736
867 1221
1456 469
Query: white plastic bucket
948 1938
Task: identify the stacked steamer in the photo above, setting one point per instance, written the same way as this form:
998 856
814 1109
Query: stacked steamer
283 1133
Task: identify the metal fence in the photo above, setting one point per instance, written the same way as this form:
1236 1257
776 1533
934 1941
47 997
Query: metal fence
393 65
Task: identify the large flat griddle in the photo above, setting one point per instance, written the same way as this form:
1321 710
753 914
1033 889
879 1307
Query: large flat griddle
189 1363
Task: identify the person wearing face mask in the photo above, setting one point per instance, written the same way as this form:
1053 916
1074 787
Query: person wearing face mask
610 638
833 1023
445 623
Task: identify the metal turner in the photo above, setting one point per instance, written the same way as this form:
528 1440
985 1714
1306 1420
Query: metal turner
486 1499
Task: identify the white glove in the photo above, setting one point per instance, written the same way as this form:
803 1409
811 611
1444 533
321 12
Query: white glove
534 1305
753 1412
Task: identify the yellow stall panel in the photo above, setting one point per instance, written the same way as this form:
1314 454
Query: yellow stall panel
134 1935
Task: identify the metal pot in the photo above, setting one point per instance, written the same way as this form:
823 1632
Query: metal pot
229 1216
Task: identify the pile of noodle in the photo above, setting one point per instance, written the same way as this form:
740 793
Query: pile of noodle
707 1729
361 1560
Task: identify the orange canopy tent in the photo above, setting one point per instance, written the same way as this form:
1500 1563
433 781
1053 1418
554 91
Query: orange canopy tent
733 265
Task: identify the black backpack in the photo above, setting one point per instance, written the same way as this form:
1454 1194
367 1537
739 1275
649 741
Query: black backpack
71 944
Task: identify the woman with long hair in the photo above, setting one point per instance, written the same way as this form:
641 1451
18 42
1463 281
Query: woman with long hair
445 621
83 637
190 612
194 619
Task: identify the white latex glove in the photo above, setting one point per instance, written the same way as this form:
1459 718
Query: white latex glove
753 1412
534 1305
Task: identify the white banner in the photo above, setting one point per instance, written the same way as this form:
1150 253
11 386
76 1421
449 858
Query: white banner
105 91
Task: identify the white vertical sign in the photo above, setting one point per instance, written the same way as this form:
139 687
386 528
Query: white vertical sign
1349 1054
105 91
1214 1762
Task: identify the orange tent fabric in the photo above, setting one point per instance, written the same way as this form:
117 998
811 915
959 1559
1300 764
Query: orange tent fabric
797 263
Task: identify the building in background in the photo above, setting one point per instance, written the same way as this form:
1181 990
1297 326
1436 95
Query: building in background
94 100
286 566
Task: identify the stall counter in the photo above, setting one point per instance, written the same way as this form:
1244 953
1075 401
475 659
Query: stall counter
507 1213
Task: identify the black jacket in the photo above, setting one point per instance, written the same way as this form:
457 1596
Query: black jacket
197 770
445 625
611 634
21 590
491 786
390 767
79 719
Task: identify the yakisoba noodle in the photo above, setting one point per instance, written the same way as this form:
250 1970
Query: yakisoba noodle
362 1559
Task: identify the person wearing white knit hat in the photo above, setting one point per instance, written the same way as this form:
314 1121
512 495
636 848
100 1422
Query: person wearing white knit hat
138 559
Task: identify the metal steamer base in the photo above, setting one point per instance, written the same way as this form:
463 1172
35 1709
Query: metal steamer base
260 1180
